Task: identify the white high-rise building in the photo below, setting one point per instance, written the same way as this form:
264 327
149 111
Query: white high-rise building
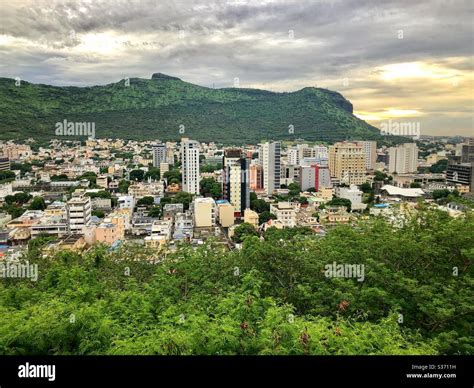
190 165
270 159
370 150
403 159
159 154
79 212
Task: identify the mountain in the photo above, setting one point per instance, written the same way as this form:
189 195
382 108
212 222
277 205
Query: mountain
159 107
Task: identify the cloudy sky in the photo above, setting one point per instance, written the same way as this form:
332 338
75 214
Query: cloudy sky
399 60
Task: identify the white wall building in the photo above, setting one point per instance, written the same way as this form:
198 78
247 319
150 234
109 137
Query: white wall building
403 159
270 158
190 165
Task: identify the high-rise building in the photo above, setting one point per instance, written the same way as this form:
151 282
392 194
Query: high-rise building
347 163
370 150
270 159
256 177
461 174
79 212
190 165
403 159
236 180
159 154
314 176
467 151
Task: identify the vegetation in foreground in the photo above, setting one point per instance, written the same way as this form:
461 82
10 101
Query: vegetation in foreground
271 297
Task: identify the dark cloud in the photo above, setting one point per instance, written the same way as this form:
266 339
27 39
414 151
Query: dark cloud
280 45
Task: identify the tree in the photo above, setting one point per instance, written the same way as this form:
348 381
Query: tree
242 231
146 201
184 198
60 177
210 188
6 175
265 217
123 186
340 202
366 187
155 211
294 189
98 213
173 176
37 204
153 173
439 167
19 198
137 175
259 205
415 185
90 176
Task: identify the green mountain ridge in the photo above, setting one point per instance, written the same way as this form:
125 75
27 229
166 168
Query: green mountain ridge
161 107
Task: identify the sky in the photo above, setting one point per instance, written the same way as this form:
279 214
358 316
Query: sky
396 61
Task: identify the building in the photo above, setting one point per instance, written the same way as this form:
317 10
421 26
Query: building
395 193
467 151
236 182
270 159
256 177
159 153
403 159
314 176
225 214
307 177
285 213
190 165
183 226
53 225
164 167
204 212
170 210
461 174
347 163
108 232
251 217
370 151
353 194
79 212
102 181
126 202
4 163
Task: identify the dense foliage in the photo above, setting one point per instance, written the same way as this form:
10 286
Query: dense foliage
270 297
162 107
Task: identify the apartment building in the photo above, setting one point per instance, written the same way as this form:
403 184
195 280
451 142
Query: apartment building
270 159
204 212
190 165
285 213
159 153
347 162
403 159
370 151
79 212
225 213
